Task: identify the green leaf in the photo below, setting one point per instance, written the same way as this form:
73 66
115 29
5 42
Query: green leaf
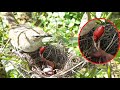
13 73
71 25
117 23
77 22
109 71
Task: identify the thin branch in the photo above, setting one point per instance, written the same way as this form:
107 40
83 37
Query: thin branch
5 44
65 71
111 42
108 16
14 18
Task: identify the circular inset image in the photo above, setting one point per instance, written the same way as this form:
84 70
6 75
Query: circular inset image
98 41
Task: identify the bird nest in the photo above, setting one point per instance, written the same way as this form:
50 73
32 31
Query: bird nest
65 63
108 42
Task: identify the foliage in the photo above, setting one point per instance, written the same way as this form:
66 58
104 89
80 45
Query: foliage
64 26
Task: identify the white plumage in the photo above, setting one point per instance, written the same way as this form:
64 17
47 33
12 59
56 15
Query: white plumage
26 38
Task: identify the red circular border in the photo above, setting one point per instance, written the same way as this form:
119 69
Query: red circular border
79 40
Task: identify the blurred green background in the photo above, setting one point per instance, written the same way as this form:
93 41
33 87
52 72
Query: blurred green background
64 26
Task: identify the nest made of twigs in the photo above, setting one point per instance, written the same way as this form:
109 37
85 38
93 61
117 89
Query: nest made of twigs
65 63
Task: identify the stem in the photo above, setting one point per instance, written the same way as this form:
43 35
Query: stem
109 70
88 14
5 44
15 18
108 16
92 72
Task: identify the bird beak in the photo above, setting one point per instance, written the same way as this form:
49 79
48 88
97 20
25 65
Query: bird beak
46 35
43 35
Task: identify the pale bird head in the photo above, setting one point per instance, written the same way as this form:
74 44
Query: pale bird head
37 34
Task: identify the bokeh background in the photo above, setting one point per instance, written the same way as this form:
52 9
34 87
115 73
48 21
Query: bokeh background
65 27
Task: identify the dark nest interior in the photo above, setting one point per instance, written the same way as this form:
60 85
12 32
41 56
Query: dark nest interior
65 63
108 42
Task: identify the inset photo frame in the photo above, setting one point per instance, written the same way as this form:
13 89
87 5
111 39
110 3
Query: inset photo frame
98 41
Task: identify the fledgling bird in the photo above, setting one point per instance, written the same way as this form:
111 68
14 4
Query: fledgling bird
48 62
28 39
